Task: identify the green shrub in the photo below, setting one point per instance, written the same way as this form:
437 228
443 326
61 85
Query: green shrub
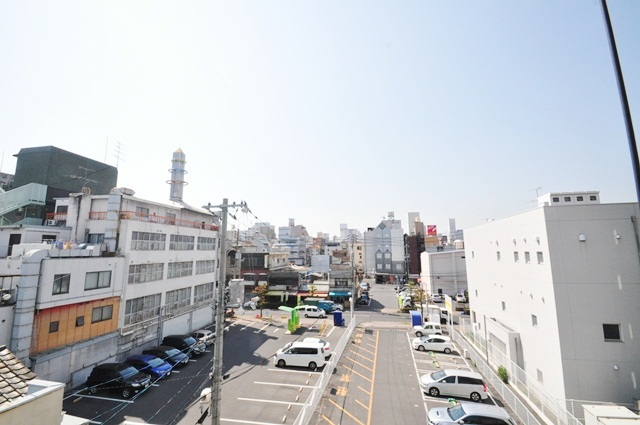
503 374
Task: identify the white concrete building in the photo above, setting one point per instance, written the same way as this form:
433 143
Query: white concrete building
384 248
443 272
556 291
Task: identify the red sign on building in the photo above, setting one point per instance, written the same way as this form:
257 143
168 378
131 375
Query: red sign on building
431 229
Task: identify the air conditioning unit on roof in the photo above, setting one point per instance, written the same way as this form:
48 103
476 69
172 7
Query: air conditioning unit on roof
51 222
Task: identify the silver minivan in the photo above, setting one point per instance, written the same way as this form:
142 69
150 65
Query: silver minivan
302 354
454 383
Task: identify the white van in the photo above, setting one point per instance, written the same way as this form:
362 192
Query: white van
311 311
428 328
302 354
454 383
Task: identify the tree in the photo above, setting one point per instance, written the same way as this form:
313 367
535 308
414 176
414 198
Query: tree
261 293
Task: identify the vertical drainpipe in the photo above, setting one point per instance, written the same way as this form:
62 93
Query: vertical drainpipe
113 220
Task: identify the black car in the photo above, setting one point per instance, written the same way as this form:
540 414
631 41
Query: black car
169 354
364 299
117 376
185 343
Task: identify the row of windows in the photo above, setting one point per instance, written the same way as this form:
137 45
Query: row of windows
98 314
140 273
527 257
92 280
578 198
143 308
148 241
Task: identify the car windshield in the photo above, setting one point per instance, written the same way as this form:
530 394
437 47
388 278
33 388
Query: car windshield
436 376
190 340
173 352
456 412
128 372
155 362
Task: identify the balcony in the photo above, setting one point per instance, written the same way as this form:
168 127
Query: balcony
56 219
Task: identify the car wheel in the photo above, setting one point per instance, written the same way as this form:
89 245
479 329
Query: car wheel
306 315
126 392
475 397
447 350
421 348
281 363
313 365
93 390
418 333
434 392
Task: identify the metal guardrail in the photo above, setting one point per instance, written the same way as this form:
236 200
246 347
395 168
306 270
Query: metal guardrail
311 403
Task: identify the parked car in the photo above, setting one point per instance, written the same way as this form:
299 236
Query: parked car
437 298
185 343
325 344
150 364
311 311
433 343
365 286
460 298
302 354
428 328
169 354
470 413
117 376
454 383
204 335
364 299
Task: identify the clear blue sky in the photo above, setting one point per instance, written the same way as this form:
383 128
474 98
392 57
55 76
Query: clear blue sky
330 112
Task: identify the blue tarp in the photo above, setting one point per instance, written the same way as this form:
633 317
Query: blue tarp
416 318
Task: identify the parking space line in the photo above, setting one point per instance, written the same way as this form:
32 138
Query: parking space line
361 404
293 371
261 329
357 373
368 392
285 385
362 349
248 422
271 401
358 363
344 411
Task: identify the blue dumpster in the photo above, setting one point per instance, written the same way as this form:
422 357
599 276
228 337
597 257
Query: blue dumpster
337 318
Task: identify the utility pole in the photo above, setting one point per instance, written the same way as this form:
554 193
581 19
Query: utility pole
216 372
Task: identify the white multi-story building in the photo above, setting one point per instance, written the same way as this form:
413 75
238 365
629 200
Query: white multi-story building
556 291
110 276
443 272
384 248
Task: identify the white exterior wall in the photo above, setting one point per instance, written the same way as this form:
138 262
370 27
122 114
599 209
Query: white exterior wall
443 272
577 288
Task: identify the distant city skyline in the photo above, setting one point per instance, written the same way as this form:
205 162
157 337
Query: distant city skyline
333 112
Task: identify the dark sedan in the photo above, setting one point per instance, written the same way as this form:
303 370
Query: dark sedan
150 364
168 354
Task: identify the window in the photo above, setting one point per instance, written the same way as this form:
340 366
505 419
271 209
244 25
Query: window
148 241
579 199
139 309
181 243
178 298
498 255
95 238
611 332
171 217
527 257
342 282
378 255
387 266
100 314
206 244
540 376
504 306
399 267
387 255
53 327
534 320
61 284
567 199
180 269
139 273
203 292
516 256
79 321
205 266
540 257
556 199
473 255
142 212
95 280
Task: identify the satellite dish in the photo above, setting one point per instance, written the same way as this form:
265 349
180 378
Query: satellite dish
6 297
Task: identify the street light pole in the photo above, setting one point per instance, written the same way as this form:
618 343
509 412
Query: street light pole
216 372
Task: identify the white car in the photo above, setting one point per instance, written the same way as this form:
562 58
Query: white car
433 343
204 335
460 298
311 311
437 298
465 412
325 344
